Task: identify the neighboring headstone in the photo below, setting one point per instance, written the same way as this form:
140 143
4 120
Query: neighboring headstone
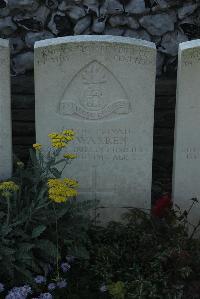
5 112
103 88
186 176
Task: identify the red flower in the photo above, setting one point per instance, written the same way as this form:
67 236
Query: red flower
162 206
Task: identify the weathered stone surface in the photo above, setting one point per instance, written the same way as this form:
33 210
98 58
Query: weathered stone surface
110 7
187 137
59 23
5 112
114 31
22 62
140 34
158 24
16 45
32 37
7 26
136 7
186 10
98 25
82 25
28 5
33 21
105 97
171 41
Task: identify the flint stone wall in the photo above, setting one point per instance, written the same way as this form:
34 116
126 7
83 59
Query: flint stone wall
165 22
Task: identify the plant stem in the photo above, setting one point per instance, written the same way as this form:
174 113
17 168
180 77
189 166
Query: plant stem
57 244
8 211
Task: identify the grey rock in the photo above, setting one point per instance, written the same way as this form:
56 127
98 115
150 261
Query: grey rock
60 24
160 58
139 34
3 4
76 12
118 20
136 7
29 5
132 23
186 10
52 4
16 45
98 25
33 21
114 31
63 6
111 7
170 42
162 3
92 6
158 24
22 63
32 37
82 25
4 12
7 26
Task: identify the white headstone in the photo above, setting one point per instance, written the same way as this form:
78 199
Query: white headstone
5 112
186 176
102 87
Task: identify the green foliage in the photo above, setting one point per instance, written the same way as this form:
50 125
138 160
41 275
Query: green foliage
140 258
34 231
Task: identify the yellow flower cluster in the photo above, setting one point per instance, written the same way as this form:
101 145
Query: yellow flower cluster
37 146
7 188
61 189
61 139
70 156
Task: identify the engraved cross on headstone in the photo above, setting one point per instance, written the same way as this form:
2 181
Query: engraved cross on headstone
94 192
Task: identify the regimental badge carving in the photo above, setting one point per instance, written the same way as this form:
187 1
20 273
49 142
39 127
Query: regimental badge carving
94 93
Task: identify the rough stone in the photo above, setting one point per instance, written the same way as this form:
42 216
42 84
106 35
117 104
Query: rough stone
114 31
186 10
158 24
22 62
136 7
29 5
76 12
111 7
4 12
5 112
171 41
32 37
33 21
7 26
82 25
159 63
140 34
98 25
91 6
59 24
187 142
16 45
105 97
52 4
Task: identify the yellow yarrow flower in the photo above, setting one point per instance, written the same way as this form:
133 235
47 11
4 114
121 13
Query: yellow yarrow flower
70 156
7 188
61 139
37 146
61 189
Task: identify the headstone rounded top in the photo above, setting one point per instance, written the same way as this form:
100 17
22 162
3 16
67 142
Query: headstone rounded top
189 44
94 38
4 43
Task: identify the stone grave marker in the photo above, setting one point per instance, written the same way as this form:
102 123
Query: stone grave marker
102 87
5 112
186 174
